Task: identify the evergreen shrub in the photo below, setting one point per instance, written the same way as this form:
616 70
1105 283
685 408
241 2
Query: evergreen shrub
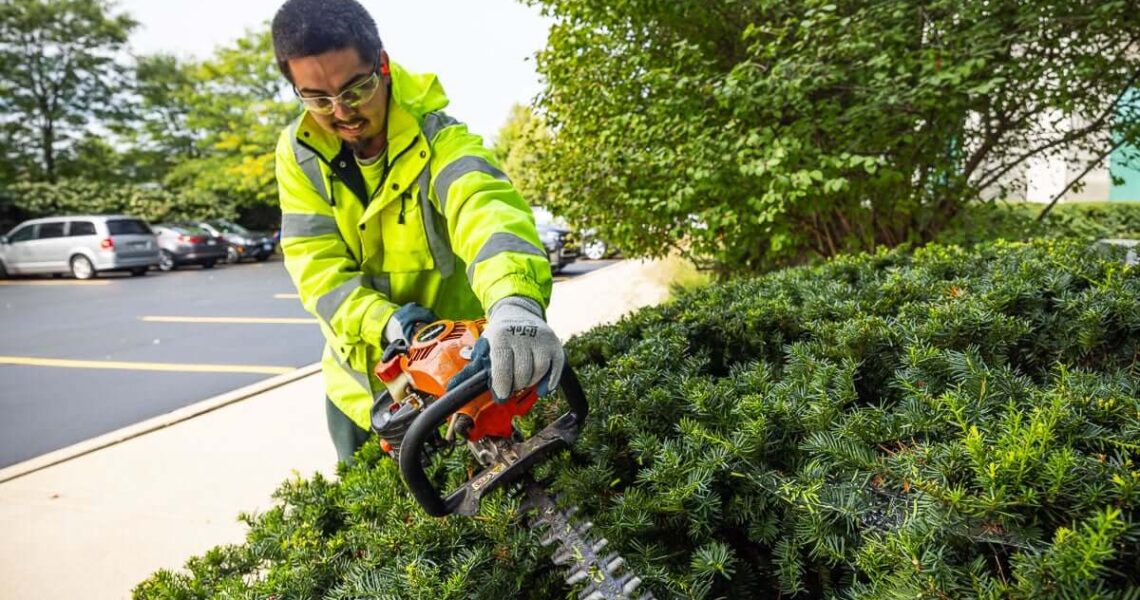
943 424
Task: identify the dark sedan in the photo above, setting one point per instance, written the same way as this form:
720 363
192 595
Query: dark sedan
561 246
183 244
241 243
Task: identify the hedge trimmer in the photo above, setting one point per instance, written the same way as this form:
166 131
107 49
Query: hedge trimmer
410 419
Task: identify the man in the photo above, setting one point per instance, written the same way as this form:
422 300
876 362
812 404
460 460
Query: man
393 213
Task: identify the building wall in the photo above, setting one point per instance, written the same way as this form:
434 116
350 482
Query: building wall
1041 179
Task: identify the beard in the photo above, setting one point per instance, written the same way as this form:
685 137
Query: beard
365 143
362 146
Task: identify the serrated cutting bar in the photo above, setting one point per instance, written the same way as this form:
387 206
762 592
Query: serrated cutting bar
579 553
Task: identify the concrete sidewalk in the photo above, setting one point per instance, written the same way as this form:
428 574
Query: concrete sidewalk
94 520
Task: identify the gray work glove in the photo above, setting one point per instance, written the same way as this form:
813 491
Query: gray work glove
518 347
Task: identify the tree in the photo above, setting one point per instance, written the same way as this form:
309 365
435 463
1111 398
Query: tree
60 75
763 133
237 110
517 146
159 127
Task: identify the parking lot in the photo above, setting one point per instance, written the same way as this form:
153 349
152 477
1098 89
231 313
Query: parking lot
82 358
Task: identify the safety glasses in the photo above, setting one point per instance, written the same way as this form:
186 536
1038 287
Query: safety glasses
352 97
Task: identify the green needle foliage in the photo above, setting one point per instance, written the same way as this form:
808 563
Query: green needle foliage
944 424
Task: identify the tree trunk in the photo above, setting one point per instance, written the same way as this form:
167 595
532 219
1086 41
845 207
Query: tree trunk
47 144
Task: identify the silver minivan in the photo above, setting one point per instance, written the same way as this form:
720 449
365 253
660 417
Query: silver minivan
80 245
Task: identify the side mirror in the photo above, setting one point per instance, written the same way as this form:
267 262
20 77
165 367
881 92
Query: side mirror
3 240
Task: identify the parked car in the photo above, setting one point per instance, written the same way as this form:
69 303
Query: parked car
241 242
561 247
83 246
594 247
182 244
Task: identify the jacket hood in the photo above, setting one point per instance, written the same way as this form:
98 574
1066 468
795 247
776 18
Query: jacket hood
418 93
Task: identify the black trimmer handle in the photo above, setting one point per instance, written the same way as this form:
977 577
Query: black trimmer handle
429 421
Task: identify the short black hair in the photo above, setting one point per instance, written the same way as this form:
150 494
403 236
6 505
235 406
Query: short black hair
311 27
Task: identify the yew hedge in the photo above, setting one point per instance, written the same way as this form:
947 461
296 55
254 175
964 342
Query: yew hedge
947 423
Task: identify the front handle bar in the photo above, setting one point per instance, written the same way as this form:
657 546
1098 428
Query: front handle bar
411 450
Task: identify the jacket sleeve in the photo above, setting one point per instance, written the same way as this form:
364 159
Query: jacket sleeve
490 226
327 275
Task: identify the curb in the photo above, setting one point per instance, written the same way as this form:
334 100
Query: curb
153 424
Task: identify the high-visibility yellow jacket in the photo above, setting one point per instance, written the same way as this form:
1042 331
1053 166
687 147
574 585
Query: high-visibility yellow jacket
447 231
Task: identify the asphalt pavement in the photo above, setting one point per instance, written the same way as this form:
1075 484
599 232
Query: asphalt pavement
82 358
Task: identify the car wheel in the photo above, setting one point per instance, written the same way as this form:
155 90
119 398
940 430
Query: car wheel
594 250
165 261
209 264
3 271
139 271
81 267
262 257
232 255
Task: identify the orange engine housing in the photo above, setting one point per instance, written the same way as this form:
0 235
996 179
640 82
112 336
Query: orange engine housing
438 352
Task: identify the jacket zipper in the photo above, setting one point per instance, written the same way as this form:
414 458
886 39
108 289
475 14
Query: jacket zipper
388 171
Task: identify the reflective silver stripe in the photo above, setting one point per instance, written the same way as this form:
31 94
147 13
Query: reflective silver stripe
436 230
328 303
381 283
434 122
310 166
458 168
294 225
502 242
357 376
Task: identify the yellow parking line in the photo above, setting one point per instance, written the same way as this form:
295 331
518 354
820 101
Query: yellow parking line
231 320
141 366
53 282
287 296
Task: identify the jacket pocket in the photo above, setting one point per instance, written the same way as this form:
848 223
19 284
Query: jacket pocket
406 247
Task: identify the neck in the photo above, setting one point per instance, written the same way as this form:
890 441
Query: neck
371 148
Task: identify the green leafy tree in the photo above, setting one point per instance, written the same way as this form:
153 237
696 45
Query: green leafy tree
765 132
60 74
517 146
236 111
159 128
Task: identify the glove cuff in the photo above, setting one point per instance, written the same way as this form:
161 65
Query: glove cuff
393 330
527 304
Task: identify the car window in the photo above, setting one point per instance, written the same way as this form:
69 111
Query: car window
22 234
50 230
127 227
81 228
227 227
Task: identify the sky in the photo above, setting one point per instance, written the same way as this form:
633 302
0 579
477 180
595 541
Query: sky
483 51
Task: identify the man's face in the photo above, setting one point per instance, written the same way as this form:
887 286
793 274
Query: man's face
334 72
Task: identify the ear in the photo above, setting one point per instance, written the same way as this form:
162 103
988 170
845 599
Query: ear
385 69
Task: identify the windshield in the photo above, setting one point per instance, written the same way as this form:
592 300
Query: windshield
227 227
127 227
544 218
